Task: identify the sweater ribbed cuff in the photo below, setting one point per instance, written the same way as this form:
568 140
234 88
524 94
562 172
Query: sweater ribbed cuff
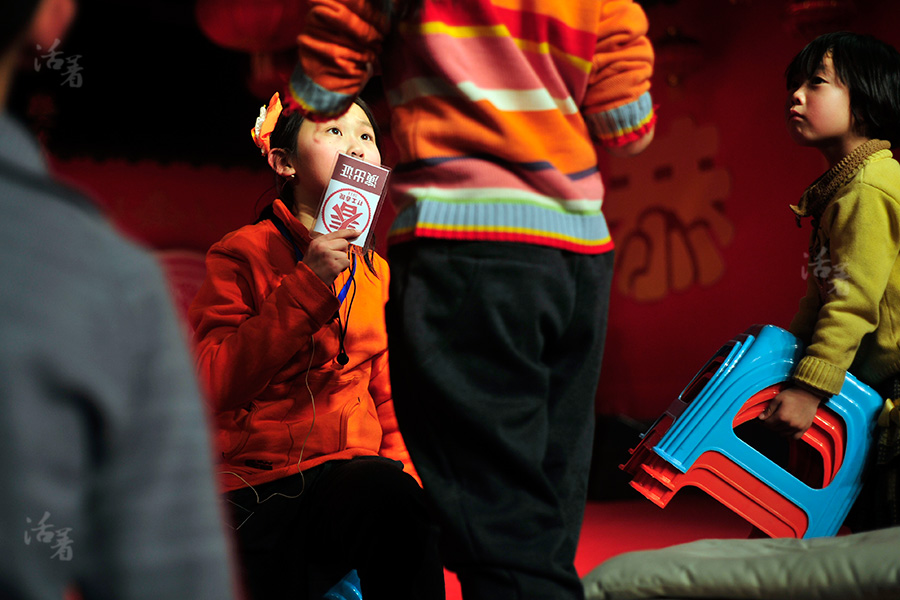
312 100
819 374
625 123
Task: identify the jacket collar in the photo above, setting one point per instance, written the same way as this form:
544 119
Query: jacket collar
817 196
296 229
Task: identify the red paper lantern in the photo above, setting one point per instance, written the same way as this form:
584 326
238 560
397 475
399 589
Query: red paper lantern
811 18
251 25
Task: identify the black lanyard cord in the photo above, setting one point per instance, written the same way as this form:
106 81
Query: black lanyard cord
342 357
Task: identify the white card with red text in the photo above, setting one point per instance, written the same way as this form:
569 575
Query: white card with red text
353 199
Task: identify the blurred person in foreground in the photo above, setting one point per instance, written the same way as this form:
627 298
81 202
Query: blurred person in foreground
107 481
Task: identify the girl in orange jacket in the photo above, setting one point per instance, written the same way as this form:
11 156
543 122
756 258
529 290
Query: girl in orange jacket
291 343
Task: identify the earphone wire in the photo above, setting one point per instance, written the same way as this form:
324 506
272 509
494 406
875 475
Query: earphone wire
312 400
256 204
342 328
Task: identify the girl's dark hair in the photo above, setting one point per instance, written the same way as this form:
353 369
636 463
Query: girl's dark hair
284 136
869 68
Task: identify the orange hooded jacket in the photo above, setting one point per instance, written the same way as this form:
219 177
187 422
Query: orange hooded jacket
267 341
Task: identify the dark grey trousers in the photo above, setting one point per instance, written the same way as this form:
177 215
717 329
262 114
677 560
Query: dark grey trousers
495 352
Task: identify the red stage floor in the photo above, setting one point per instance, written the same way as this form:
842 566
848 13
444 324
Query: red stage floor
614 527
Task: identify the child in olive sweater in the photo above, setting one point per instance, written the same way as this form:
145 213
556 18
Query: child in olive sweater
844 100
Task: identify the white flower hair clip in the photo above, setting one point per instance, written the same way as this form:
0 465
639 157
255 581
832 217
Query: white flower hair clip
259 123
265 123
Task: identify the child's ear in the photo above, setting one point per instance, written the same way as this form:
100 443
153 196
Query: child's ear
281 163
51 20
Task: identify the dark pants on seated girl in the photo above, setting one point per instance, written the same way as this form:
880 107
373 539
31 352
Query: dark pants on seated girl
364 514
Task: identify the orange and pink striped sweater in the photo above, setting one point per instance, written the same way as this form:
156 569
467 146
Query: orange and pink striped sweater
496 105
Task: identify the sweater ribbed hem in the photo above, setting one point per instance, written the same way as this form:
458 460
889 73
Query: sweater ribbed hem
503 222
819 374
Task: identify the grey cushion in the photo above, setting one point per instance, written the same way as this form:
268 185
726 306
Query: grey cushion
861 566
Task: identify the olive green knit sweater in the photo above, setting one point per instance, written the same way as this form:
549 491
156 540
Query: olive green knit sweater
850 316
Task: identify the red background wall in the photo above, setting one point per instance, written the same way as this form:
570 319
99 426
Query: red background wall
706 244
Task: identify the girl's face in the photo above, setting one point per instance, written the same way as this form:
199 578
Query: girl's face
318 143
818 111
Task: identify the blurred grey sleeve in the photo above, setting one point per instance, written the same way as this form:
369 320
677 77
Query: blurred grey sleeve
159 519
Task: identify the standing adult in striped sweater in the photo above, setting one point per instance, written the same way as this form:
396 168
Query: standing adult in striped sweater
500 253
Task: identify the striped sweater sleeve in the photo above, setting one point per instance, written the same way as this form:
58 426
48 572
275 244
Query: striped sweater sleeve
338 48
618 107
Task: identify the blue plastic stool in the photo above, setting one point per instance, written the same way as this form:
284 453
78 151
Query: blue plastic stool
696 437
345 589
